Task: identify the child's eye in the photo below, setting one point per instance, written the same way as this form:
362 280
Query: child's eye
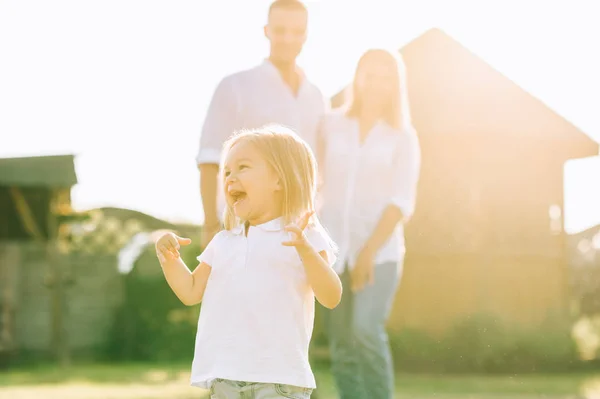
243 167
226 173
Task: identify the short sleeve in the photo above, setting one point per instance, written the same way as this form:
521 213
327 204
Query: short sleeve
326 103
208 255
320 241
406 170
219 124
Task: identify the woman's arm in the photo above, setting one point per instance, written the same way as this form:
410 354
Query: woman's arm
392 215
407 164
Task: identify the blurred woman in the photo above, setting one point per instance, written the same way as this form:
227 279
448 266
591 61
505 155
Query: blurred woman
369 157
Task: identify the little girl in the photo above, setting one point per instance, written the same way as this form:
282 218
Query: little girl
257 279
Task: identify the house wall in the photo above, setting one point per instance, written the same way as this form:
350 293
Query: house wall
486 235
437 292
483 238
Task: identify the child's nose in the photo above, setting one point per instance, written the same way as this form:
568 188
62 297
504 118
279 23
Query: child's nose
230 178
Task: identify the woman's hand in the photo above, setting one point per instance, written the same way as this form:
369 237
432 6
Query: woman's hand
167 246
363 272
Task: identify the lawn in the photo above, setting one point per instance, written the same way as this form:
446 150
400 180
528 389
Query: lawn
148 381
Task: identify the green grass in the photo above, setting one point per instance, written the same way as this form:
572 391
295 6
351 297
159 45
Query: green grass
120 373
153 381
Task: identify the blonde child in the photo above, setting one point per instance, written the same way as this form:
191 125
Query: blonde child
258 278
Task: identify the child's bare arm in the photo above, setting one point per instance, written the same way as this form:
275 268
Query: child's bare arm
323 279
188 286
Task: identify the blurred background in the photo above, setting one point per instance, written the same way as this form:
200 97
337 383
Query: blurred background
101 105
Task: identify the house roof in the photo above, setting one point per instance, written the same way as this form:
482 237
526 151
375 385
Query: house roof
427 49
43 171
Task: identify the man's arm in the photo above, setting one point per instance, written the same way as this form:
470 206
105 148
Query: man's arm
208 191
219 125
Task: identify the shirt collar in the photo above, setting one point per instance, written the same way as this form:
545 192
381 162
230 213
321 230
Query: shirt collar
268 66
270 226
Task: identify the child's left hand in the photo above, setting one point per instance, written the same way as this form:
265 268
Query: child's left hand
297 230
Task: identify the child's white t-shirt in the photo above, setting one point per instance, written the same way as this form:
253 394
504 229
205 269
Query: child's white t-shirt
257 313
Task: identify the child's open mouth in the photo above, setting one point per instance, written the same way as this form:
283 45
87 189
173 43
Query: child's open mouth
237 197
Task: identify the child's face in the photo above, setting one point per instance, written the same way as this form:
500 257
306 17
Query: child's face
251 186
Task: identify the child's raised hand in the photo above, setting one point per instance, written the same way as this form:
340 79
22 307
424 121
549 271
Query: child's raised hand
297 230
167 246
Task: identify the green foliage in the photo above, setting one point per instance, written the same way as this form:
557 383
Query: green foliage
483 344
152 324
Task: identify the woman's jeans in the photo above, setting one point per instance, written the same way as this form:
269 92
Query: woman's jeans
360 352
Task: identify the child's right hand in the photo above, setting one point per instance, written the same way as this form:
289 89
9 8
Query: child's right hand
167 246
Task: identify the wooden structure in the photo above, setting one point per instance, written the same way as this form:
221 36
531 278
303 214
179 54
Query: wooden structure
34 194
487 234
60 285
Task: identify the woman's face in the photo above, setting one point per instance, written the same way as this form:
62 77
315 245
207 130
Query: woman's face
376 79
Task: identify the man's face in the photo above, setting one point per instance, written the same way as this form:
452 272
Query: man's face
286 30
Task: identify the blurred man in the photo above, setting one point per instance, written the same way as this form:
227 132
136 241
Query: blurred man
276 91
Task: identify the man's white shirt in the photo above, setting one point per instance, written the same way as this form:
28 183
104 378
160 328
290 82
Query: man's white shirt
253 98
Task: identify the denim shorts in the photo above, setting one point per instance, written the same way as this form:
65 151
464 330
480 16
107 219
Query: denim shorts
227 389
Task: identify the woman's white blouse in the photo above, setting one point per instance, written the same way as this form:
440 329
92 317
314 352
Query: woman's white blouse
360 180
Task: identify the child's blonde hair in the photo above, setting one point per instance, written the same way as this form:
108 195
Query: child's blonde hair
293 162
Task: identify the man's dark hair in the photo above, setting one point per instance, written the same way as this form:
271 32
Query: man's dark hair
287 5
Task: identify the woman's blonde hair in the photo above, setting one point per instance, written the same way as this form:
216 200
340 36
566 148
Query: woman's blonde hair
293 162
397 111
